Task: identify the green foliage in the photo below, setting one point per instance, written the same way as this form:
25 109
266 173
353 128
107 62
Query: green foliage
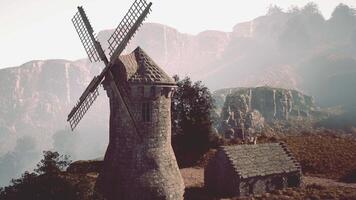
47 183
192 105
52 163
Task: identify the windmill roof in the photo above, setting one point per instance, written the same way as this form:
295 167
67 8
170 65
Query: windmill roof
141 69
260 159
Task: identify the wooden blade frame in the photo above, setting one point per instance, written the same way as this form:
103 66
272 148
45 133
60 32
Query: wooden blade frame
95 53
135 16
127 27
82 108
86 34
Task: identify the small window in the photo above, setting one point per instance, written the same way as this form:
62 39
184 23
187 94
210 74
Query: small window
146 112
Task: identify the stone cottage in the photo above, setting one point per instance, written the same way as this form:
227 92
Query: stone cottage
245 170
139 162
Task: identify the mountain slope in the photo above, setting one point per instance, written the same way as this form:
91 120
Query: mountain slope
297 49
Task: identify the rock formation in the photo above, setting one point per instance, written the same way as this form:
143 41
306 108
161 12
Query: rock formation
245 110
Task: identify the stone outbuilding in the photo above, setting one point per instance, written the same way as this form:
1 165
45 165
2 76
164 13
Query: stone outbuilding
244 170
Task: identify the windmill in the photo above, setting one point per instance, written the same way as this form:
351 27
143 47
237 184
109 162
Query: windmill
117 43
139 162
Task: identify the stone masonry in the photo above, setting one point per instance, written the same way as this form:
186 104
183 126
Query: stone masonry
139 162
244 170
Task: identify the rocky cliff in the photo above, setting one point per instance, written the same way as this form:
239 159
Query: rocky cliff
247 109
316 58
268 50
272 103
36 98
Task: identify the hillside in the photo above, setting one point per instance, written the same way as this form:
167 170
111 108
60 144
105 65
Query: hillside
295 49
312 150
35 100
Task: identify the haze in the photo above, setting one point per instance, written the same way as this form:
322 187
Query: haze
41 29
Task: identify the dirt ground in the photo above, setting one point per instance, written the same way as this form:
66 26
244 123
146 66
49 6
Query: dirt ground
312 188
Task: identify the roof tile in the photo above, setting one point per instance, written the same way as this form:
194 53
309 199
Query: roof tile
260 159
141 69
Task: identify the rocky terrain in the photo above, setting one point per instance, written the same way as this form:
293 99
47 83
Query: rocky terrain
315 58
34 102
295 49
311 150
37 96
272 103
219 59
248 110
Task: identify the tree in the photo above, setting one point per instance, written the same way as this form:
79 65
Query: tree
274 10
192 105
311 9
52 163
342 23
46 184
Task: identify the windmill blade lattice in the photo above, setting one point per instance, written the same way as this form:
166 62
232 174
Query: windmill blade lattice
86 34
117 42
127 27
85 101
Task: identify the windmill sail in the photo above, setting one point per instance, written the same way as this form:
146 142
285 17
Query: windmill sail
86 34
127 27
117 42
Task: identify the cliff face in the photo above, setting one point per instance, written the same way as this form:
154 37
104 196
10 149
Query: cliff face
245 110
37 96
213 54
272 103
177 52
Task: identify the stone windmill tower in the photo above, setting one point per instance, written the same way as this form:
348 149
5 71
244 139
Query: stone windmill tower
139 162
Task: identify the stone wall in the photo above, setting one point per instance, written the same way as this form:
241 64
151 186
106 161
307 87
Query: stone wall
219 176
260 185
242 173
141 164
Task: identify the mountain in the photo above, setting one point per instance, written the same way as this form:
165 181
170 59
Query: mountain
297 49
35 100
37 96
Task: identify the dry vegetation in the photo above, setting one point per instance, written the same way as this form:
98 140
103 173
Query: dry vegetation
325 156
309 192
321 155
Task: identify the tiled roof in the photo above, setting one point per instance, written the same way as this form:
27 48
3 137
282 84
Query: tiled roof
141 69
261 159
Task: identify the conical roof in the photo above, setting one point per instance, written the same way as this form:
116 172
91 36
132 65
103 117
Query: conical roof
141 69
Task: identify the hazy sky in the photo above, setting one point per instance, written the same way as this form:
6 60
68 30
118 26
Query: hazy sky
41 29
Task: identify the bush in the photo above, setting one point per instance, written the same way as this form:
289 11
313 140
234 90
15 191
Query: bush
52 163
46 183
192 105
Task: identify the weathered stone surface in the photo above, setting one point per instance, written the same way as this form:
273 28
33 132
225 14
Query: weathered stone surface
251 169
272 103
140 162
250 108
